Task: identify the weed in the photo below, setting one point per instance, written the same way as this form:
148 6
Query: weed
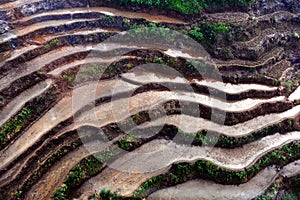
196 34
288 85
60 193
51 44
69 77
126 142
108 195
158 60
18 193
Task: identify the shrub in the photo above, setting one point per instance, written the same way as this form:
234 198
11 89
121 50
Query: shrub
196 34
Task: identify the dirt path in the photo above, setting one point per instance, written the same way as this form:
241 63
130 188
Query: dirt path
191 124
11 55
18 32
291 170
268 57
146 100
111 12
47 38
58 71
155 157
295 95
38 63
143 77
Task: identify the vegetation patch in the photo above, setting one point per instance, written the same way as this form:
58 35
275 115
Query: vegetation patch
51 44
29 112
15 125
86 169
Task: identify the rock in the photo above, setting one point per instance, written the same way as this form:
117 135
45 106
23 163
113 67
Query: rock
41 6
4 27
262 7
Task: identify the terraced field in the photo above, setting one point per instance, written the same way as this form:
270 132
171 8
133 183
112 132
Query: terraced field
121 100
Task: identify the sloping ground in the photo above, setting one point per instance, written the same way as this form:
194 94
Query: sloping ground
155 157
210 190
161 131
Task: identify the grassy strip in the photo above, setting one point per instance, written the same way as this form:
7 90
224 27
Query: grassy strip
86 169
183 172
29 113
15 125
224 141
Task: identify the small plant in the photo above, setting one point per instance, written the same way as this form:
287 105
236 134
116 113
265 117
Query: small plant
108 195
50 45
221 28
196 34
126 142
60 193
296 35
288 85
158 60
69 77
129 65
18 193
126 22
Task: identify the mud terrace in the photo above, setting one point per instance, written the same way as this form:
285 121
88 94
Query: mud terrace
126 100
